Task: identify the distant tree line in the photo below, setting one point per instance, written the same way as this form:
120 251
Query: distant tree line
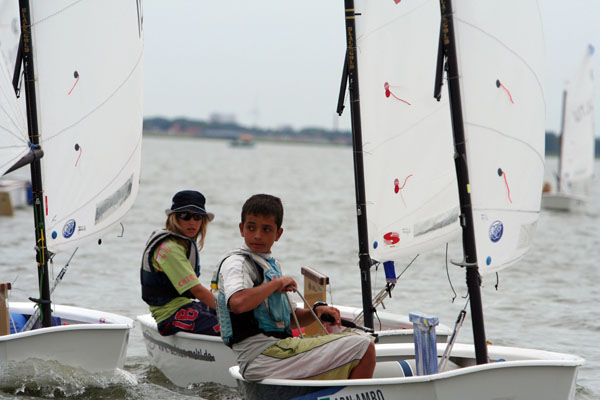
553 144
232 130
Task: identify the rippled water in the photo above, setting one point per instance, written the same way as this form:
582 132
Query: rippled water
549 301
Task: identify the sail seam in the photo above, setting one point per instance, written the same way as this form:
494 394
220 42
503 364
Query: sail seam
50 137
56 13
539 83
540 157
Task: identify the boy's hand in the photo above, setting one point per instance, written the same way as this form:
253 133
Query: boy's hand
331 311
286 284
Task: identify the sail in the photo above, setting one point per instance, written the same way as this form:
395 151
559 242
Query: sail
13 128
501 88
577 141
410 181
88 65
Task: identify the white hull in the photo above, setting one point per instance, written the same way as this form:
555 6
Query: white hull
563 202
93 340
525 375
186 358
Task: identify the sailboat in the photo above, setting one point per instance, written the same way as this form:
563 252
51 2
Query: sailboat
402 220
576 158
495 99
81 135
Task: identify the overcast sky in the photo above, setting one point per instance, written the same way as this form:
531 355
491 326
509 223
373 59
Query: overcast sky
272 63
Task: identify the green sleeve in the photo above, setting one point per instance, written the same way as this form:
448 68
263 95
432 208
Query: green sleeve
170 257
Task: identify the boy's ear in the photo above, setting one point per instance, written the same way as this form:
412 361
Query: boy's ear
279 232
241 229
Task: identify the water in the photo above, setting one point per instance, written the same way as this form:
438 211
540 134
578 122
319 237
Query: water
548 302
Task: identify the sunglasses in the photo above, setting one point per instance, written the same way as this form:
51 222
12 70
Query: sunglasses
186 216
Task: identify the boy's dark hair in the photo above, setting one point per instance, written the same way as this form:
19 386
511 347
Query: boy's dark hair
265 205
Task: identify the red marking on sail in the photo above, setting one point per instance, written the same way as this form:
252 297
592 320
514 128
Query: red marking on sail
46 201
499 84
388 92
397 1
391 238
397 186
507 188
75 84
79 156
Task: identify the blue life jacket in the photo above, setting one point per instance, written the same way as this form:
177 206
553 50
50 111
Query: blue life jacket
157 289
271 317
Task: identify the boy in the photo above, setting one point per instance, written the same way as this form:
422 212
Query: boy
255 314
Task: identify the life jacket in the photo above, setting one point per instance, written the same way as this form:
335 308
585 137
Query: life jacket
157 289
271 317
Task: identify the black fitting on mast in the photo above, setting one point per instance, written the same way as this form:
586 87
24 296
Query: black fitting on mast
343 84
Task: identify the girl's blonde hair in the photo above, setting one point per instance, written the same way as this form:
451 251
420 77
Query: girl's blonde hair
173 226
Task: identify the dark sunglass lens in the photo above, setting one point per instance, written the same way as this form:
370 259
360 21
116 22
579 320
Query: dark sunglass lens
186 216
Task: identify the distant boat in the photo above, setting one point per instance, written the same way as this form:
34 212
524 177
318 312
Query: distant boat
576 157
14 193
244 140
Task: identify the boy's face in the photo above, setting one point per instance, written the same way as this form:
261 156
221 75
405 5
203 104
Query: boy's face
260 232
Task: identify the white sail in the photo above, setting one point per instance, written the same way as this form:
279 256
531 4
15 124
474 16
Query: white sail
500 67
88 66
577 140
13 128
410 181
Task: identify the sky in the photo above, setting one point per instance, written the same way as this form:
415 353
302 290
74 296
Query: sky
276 63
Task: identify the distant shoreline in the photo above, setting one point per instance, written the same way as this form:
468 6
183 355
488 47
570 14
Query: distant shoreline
230 130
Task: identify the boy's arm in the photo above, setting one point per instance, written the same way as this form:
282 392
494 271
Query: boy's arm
305 317
248 299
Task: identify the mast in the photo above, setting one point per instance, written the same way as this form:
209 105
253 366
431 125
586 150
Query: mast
351 69
460 160
36 172
560 142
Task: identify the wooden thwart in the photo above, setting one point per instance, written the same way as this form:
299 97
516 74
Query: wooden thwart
4 313
315 289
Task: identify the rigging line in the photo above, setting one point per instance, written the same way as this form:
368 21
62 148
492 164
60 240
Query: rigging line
10 113
448 275
540 86
507 136
409 264
101 104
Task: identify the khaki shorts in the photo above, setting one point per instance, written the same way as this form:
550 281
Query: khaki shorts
330 356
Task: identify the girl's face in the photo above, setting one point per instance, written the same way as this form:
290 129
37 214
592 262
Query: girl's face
189 222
